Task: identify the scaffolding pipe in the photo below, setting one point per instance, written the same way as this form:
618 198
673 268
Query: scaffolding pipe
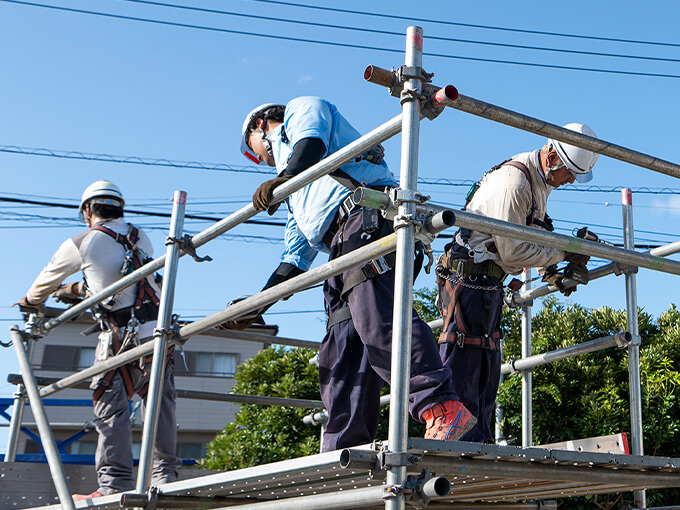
527 377
495 113
402 327
249 399
325 166
520 365
47 438
600 272
441 221
160 343
634 346
468 220
18 412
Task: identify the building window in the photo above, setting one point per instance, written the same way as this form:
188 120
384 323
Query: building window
191 450
67 358
205 364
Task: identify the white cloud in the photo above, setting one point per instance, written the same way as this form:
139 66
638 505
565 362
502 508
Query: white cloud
303 80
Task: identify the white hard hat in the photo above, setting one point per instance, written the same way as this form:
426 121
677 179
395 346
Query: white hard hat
580 162
245 150
102 192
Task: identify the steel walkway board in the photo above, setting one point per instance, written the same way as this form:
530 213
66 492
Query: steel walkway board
477 472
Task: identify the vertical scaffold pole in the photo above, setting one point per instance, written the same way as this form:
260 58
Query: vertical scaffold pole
18 413
403 273
527 376
161 343
46 437
634 347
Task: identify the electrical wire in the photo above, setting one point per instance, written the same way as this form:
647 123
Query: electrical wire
400 34
434 181
341 45
468 25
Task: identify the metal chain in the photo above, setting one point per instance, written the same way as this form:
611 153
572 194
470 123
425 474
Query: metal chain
460 281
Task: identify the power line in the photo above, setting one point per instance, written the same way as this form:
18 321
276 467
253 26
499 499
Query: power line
468 25
136 160
341 45
401 34
134 211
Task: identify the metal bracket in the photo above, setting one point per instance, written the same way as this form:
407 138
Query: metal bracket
187 246
623 339
620 269
387 459
412 490
414 73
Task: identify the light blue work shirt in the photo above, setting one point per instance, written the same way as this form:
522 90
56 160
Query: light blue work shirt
312 208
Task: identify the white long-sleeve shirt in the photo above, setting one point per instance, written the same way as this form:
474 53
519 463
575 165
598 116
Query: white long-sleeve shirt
505 194
100 258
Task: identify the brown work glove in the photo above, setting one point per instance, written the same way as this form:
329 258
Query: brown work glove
244 321
70 293
576 258
24 304
554 277
262 197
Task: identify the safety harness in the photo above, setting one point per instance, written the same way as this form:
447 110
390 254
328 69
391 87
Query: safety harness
123 324
457 260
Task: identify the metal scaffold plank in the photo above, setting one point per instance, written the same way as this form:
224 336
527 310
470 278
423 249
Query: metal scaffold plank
477 473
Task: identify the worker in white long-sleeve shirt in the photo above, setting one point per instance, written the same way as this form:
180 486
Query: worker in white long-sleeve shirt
475 264
108 250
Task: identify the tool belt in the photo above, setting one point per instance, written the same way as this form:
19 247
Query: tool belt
471 309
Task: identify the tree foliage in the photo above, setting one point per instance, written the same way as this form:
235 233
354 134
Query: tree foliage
588 396
264 434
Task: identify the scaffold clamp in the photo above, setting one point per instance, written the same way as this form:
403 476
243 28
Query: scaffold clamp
187 246
413 490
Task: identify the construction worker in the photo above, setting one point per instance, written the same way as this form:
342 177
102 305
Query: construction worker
475 264
355 356
108 250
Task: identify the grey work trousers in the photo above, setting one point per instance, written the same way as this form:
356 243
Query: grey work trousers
114 461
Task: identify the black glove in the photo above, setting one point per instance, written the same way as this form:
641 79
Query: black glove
576 258
263 195
554 277
244 321
70 293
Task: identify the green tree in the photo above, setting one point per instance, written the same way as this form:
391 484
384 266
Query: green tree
588 395
264 434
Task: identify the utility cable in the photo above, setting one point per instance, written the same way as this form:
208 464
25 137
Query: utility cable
400 34
468 25
341 45
137 160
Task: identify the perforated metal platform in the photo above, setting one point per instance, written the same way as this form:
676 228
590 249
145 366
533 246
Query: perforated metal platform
477 473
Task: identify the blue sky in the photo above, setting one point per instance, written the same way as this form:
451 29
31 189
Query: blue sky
105 85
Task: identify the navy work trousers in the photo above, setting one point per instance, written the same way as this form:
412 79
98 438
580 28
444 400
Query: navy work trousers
475 370
355 356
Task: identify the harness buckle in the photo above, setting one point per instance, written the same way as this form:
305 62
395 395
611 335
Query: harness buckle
379 265
346 207
460 339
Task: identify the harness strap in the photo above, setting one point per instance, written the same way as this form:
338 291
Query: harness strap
340 315
527 174
376 267
492 343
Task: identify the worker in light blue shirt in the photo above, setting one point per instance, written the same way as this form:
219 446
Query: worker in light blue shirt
355 356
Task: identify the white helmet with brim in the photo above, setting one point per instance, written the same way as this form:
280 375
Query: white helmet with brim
580 162
102 192
245 150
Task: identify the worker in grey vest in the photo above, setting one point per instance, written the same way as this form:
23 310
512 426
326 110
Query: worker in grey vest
470 274
108 250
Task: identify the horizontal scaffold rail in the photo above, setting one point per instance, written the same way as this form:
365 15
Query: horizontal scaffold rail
449 96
